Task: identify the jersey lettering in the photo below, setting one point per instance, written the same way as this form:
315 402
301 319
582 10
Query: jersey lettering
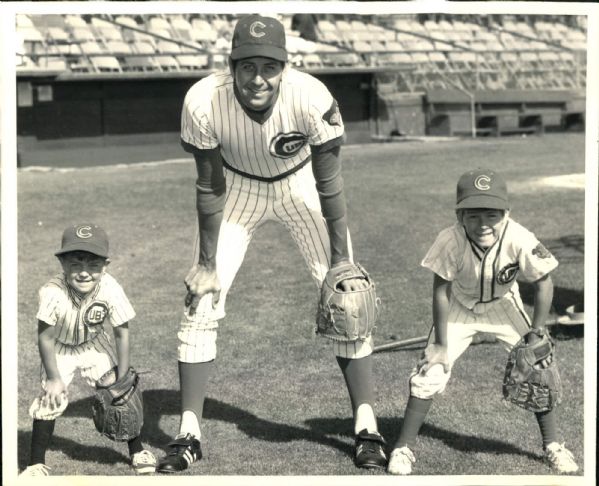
508 273
95 314
286 145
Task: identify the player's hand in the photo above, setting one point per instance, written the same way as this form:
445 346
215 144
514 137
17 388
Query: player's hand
434 354
532 338
201 280
351 284
55 392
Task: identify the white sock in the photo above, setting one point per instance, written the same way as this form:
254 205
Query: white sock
189 425
365 419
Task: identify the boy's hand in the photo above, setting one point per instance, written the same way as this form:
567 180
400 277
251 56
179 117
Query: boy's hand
434 354
56 391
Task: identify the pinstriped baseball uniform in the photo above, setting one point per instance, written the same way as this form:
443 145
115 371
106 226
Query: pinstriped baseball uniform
269 178
484 293
81 340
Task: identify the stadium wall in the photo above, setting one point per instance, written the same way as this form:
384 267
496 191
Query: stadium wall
94 107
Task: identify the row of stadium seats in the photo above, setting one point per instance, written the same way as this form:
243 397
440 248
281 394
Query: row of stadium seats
435 54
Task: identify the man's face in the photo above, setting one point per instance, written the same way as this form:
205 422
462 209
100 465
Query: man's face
483 226
83 270
257 80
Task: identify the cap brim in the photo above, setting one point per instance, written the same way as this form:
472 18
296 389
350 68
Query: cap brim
259 50
96 250
486 202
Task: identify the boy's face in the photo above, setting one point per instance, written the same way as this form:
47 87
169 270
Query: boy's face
483 226
257 80
83 270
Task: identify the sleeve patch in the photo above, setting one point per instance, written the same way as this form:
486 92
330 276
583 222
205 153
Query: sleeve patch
332 115
541 252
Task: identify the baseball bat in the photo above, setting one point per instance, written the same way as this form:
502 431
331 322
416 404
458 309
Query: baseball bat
401 343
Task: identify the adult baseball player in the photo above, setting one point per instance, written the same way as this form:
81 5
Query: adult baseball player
73 308
266 141
475 264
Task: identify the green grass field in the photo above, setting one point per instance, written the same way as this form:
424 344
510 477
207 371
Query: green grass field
277 403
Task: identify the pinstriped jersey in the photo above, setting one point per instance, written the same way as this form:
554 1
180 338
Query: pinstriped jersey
78 319
481 277
303 114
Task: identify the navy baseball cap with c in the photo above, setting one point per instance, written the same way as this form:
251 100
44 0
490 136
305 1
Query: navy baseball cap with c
258 36
84 237
482 188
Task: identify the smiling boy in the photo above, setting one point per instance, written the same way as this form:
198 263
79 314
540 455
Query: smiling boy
475 263
73 308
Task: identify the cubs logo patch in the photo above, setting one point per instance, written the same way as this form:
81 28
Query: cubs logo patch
508 273
286 145
541 252
95 313
332 115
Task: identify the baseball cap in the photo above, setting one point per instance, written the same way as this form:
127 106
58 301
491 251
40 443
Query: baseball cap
482 188
255 35
84 237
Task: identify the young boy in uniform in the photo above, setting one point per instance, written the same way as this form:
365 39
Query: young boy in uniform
475 264
73 306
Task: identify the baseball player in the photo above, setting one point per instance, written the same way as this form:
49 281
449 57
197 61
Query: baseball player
73 308
266 140
475 264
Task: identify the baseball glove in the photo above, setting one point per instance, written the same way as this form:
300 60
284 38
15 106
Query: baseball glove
526 382
118 405
346 316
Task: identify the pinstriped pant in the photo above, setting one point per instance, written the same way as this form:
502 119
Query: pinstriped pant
506 319
292 202
93 358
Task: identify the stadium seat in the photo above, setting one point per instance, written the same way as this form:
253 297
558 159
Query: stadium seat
56 35
193 61
105 64
140 63
82 34
167 63
75 21
167 47
118 48
23 20
312 61
53 64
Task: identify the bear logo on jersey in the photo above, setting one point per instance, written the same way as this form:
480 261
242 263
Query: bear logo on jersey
508 273
95 314
541 252
286 145
332 115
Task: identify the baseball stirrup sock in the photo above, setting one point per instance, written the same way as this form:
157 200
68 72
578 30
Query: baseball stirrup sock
548 425
41 434
416 411
193 379
359 380
135 445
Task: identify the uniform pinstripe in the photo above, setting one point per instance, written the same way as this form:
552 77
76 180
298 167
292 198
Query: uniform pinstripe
484 291
269 178
81 340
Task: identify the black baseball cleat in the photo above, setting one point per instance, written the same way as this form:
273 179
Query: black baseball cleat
370 452
183 452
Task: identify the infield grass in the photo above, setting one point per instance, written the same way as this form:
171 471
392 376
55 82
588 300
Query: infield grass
277 403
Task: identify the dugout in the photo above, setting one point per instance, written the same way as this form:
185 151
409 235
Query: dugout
106 109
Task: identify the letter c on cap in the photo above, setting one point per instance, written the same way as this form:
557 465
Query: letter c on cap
482 182
254 32
84 232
